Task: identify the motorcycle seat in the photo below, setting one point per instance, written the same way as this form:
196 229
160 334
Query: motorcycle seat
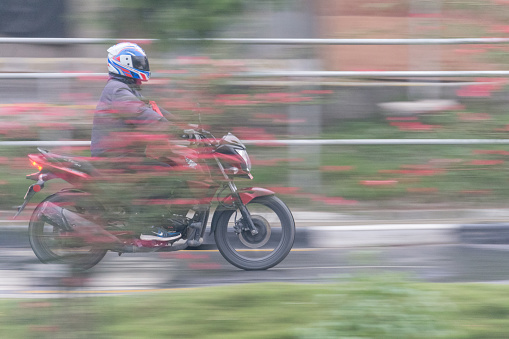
75 162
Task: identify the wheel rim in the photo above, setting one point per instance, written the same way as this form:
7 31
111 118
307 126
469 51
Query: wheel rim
258 240
263 247
58 244
51 244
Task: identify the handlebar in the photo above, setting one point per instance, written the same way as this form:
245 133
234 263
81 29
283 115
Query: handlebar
197 135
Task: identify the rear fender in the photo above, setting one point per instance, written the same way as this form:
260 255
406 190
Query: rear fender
246 195
41 178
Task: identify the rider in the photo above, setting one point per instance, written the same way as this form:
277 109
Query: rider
123 120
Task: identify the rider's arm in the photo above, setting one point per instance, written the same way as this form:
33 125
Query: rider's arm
160 135
145 115
134 110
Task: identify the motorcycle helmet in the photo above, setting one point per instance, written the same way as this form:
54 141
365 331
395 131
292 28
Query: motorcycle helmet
129 60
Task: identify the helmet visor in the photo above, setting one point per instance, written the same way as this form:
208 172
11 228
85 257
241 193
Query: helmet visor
140 63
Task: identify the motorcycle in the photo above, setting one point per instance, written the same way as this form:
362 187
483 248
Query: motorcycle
253 229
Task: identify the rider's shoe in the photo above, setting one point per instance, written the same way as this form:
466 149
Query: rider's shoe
161 234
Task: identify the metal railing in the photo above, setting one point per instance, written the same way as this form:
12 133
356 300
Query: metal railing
374 74
299 142
293 74
268 41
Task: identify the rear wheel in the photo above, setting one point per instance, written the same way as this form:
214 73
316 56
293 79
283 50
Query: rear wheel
52 244
274 240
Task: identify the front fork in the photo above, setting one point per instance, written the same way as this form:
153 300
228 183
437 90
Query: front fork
237 201
246 216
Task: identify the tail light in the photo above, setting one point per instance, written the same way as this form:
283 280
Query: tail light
36 165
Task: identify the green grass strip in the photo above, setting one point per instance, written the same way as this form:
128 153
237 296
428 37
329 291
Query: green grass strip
363 307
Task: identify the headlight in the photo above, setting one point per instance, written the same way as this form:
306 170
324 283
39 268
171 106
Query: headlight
243 154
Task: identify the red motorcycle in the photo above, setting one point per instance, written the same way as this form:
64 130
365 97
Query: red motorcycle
253 229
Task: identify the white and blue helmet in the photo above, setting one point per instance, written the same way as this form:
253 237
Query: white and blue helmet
129 60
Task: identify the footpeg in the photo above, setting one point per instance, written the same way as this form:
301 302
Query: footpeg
193 243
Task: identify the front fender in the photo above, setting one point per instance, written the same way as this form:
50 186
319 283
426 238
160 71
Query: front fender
246 195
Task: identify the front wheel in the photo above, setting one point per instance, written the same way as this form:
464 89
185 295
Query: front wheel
52 244
276 234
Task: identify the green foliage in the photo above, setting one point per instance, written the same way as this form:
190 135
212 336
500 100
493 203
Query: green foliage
248 311
375 306
381 307
174 18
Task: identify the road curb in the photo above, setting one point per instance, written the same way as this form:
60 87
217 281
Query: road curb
14 237
485 233
349 236
381 235
316 237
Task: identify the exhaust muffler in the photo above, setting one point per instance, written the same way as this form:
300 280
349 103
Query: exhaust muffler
74 223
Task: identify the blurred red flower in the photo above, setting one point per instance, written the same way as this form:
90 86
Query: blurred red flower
495 151
413 126
378 182
464 116
486 162
336 168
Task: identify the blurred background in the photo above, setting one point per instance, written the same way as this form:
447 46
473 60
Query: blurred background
366 127
230 84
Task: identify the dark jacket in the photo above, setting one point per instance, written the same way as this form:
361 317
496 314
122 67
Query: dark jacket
121 111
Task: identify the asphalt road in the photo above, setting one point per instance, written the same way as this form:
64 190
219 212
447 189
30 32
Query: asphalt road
23 276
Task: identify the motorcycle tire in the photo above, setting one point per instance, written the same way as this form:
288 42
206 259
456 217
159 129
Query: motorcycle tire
275 238
49 244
